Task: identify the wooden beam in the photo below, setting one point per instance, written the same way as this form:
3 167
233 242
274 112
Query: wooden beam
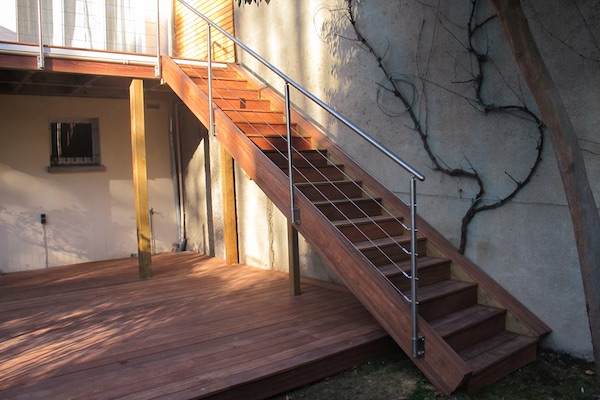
229 210
140 177
57 64
294 260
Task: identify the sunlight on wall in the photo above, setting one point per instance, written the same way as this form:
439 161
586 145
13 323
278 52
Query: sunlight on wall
90 215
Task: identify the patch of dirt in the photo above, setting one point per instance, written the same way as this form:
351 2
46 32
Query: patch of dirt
553 376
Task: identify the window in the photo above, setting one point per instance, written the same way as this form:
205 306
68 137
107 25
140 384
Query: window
75 143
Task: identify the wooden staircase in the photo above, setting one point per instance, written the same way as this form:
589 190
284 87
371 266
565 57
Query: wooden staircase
475 331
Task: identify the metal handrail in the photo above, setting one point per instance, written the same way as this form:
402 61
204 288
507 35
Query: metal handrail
407 167
417 340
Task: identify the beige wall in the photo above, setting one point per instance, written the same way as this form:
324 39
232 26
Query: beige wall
90 215
527 245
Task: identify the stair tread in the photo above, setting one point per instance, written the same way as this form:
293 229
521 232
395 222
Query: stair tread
250 111
301 151
218 78
386 241
365 220
337 182
462 319
442 289
491 351
340 201
422 262
234 94
275 135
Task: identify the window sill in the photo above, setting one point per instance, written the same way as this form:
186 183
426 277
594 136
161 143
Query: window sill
57 169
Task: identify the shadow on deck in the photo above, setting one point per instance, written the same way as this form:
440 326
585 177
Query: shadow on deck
198 329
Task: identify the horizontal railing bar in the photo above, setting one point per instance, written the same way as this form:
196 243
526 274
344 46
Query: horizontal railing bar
197 63
88 55
407 167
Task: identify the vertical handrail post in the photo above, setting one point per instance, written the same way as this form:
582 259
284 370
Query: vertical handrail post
211 115
418 342
40 60
158 67
295 212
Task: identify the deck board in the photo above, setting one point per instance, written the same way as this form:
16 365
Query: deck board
198 328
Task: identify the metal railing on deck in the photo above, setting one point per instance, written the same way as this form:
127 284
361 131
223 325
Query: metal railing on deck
76 30
418 349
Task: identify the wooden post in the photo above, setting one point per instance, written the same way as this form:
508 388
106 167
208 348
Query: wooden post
140 176
294 259
229 211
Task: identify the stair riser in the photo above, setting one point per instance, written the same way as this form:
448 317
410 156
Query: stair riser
349 210
253 118
331 173
445 305
320 192
216 72
359 233
427 276
279 143
233 93
221 84
484 330
304 159
503 368
392 253
260 129
244 104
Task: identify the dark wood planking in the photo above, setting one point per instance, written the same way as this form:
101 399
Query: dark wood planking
330 172
359 229
277 142
305 158
470 325
202 317
319 191
519 318
340 253
306 373
389 249
497 357
430 270
452 297
445 297
344 209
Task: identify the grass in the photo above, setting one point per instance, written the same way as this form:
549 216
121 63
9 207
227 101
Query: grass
552 376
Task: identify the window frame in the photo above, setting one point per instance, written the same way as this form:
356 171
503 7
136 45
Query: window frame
59 163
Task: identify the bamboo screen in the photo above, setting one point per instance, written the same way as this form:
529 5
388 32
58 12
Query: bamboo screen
190 30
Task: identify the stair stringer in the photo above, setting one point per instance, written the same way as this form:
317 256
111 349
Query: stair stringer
442 366
519 318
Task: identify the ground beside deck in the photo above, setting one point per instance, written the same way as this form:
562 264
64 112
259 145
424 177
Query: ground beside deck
197 329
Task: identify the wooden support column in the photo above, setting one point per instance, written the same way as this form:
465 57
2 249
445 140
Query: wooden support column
294 259
140 176
229 211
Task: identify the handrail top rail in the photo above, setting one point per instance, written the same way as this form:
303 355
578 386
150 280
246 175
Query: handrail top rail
407 167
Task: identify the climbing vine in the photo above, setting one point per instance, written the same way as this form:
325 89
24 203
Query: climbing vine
405 90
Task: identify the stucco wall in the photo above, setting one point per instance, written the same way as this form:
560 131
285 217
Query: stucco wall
526 245
90 215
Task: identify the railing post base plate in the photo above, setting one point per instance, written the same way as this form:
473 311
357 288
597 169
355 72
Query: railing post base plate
419 347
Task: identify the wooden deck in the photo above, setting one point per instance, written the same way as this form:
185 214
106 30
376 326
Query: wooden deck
197 329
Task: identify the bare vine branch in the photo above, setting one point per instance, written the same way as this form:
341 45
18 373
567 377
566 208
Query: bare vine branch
478 78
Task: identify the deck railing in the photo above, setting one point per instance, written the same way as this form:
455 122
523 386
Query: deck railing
125 33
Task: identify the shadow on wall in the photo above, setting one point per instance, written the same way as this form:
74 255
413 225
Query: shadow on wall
29 244
197 186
